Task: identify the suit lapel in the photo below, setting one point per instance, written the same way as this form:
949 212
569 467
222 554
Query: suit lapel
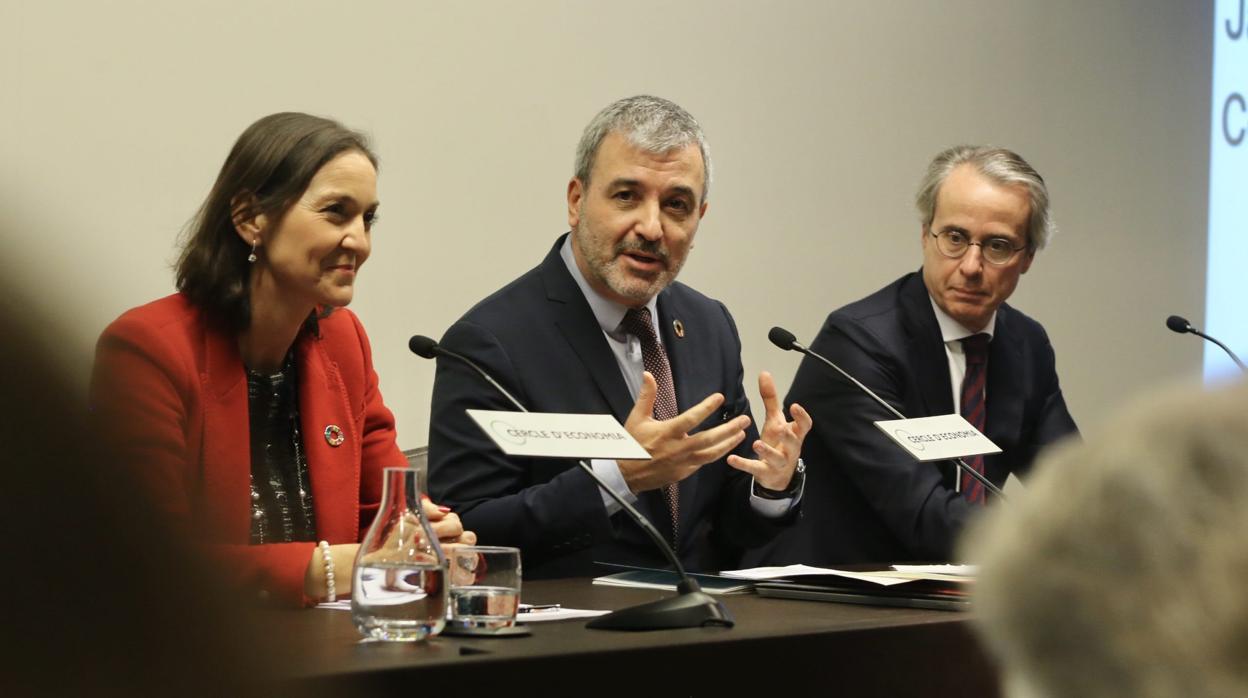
1004 390
576 321
333 470
926 348
682 353
226 446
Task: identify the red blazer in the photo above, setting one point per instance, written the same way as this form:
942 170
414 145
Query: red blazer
170 386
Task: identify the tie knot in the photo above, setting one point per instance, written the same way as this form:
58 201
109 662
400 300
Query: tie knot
637 322
976 348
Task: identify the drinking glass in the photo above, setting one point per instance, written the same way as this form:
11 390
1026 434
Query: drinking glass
485 585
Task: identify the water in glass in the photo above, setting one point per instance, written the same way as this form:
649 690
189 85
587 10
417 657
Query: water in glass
403 602
399 583
485 606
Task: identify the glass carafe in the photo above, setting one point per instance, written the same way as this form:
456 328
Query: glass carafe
399 590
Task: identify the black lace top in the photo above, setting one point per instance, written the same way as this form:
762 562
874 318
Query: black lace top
281 495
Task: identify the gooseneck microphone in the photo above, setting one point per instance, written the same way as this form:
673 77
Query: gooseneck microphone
1182 326
427 348
785 340
1178 324
690 608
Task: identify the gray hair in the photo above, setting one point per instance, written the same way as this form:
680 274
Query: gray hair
652 124
1121 571
1005 167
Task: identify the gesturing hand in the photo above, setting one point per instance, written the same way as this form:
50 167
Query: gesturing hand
674 454
781 442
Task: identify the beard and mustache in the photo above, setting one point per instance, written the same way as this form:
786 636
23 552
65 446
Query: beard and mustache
607 266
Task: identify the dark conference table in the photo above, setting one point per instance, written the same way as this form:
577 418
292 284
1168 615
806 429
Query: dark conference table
850 649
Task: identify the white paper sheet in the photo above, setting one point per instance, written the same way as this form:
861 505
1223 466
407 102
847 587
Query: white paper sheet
764 573
535 616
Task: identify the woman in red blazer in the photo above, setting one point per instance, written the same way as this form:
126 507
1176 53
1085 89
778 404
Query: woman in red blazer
248 398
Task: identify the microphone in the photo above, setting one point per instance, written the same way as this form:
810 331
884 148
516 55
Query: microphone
1178 324
690 608
427 348
785 340
1182 326
422 346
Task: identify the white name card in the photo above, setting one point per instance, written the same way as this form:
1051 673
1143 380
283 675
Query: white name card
938 438
556 435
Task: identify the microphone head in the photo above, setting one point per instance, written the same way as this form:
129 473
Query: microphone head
1178 324
423 346
782 338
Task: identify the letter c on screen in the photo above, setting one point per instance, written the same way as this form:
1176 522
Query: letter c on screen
1235 98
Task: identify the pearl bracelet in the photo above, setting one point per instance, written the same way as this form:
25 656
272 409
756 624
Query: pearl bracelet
331 590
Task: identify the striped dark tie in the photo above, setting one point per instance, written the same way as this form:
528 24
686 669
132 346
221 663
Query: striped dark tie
975 348
637 323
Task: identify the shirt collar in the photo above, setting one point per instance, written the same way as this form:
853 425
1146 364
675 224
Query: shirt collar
952 331
608 313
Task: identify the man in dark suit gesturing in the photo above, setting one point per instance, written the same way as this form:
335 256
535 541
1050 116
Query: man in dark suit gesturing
938 341
601 326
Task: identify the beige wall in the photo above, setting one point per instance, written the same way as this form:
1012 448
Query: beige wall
821 116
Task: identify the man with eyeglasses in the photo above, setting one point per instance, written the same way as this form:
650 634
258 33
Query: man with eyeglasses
938 341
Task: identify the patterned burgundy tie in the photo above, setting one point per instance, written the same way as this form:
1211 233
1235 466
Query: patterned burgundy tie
637 323
975 348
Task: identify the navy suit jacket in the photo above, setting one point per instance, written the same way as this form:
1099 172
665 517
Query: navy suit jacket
539 338
867 500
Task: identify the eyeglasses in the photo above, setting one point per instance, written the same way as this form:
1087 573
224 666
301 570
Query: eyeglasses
995 250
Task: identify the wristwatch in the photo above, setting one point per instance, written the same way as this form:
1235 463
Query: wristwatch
795 485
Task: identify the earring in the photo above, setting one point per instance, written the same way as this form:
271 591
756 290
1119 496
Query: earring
251 258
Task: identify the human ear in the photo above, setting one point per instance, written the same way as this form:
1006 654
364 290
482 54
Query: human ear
1028 257
576 192
247 222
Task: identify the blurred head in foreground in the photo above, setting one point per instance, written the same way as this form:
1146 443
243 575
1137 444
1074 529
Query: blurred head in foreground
101 599
1124 569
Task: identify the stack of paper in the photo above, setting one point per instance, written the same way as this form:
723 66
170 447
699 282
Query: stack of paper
945 587
897 574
